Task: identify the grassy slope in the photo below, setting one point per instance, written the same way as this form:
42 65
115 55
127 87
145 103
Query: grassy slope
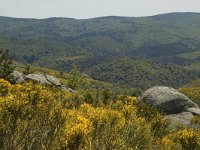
192 90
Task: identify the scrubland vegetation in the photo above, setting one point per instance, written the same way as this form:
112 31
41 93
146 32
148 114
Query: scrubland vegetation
129 52
33 116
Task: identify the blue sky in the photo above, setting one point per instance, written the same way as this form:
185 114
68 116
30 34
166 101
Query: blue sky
82 9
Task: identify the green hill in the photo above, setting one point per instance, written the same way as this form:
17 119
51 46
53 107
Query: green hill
49 42
167 40
142 73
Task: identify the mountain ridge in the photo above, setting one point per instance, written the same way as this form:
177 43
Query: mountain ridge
60 42
160 14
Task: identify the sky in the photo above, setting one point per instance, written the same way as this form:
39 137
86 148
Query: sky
82 9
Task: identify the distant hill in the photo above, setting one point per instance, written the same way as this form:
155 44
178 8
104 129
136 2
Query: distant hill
142 73
55 39
60 42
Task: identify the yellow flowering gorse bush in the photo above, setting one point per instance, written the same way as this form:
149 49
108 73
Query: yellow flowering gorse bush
33 116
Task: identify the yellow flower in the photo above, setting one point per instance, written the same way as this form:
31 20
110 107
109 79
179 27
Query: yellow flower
4 87
189 138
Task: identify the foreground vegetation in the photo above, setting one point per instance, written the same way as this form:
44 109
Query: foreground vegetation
33 116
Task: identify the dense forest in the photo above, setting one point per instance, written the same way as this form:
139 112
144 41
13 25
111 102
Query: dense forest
142 73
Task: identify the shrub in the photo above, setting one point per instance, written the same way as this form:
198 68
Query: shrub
61 120
189 139
192 92
74 79
27 113
6 67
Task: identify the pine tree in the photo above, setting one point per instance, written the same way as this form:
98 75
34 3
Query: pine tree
6 67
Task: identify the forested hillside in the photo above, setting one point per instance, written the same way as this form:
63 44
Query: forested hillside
60 42
142 73
33 40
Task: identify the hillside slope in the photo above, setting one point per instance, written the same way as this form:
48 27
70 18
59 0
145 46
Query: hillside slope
51 42
58 43
142 73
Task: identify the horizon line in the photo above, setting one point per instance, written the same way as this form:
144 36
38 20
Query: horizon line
62 17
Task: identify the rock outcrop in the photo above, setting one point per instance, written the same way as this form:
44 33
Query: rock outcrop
38 77
45 79
174 105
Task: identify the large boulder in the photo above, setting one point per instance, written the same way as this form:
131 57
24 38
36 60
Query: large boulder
175 106
167 100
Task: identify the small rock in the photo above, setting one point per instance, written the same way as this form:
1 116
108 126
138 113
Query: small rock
53 80
68 89
17 77
71 90
194 111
